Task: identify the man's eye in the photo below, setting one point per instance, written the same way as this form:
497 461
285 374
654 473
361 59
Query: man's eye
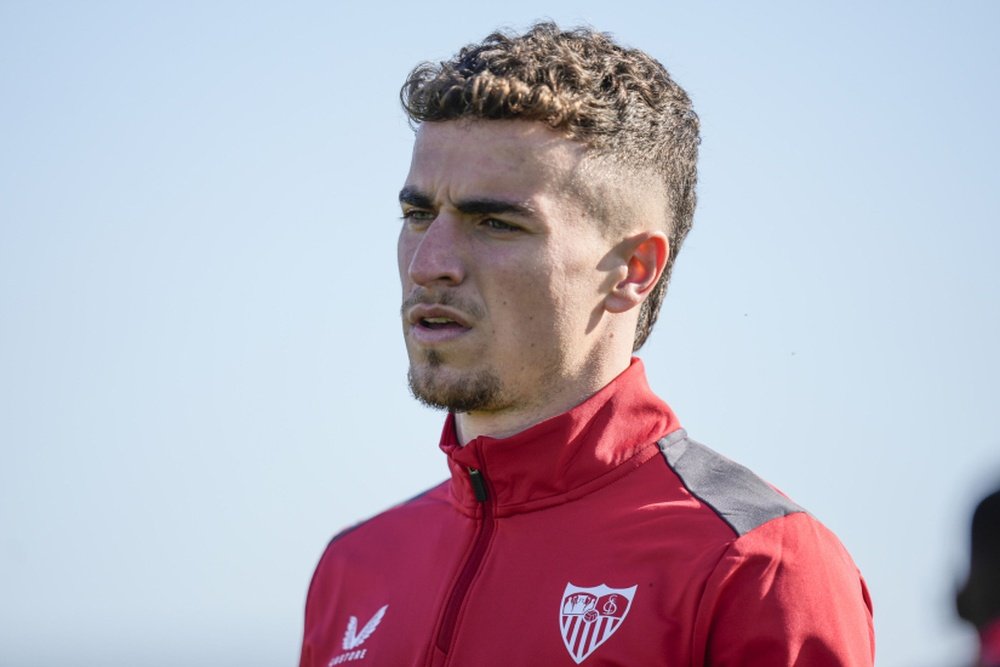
417 216
499 225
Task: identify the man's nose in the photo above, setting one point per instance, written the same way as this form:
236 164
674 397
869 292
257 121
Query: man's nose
437 255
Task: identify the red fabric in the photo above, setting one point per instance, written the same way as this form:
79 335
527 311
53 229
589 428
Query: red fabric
582 500
989 642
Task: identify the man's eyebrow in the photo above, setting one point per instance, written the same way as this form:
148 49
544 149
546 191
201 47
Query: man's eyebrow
487 206
412 197
479 206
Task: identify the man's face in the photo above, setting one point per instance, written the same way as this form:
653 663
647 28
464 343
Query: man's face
503 271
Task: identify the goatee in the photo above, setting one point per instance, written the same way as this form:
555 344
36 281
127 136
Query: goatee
469 392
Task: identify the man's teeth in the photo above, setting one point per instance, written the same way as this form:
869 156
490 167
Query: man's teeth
437 320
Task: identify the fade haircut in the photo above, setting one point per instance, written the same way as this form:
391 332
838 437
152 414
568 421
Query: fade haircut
620 103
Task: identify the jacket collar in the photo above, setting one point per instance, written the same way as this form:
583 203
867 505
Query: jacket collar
565 456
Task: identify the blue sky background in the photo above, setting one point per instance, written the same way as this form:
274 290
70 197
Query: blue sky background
201 371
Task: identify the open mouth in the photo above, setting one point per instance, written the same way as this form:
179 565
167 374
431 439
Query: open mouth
432 324
437 323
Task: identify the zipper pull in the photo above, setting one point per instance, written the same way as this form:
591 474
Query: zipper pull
478 485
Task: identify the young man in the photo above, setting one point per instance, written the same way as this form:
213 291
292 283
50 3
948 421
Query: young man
551 186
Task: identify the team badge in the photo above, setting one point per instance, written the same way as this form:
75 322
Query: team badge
589 616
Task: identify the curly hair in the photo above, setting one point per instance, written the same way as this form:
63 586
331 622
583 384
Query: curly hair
619 102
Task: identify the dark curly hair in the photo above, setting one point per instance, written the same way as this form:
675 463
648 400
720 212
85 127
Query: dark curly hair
619 102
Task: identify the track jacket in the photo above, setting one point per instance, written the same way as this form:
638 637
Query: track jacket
603 536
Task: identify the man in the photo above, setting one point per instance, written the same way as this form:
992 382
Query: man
551 186
978 601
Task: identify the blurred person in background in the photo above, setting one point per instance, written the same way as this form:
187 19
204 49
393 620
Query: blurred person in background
978 601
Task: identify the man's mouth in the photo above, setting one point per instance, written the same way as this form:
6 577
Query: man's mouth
439 323
436 317
436 323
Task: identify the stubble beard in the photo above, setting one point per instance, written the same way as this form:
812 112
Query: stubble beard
474 391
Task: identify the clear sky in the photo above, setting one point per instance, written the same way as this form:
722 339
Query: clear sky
201 368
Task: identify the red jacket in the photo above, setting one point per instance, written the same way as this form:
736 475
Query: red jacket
602 536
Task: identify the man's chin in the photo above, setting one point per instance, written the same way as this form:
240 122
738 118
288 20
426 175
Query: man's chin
438 387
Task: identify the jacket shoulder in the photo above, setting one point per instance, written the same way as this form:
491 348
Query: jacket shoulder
436 495
739 497
366 539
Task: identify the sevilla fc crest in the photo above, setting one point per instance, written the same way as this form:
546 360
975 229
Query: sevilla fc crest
589 616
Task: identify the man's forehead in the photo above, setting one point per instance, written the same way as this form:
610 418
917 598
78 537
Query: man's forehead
500 157
525 141
500 126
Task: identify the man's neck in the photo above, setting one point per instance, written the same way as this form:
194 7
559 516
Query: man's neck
507 422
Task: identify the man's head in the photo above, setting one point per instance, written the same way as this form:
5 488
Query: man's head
636 124
551 185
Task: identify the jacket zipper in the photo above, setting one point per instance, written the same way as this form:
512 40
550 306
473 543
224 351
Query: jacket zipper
472 563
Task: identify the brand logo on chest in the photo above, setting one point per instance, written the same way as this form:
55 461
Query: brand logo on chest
589 616
353 638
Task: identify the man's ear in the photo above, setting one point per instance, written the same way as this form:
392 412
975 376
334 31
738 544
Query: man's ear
644 258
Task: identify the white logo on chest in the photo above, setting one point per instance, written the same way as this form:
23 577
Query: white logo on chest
589 616
353 639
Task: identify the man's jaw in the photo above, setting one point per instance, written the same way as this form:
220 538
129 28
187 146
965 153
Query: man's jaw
437 386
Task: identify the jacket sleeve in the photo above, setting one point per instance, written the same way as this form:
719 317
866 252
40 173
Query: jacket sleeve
319 600
305 656
786 593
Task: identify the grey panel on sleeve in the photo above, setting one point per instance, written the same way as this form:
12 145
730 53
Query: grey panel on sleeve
742 499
